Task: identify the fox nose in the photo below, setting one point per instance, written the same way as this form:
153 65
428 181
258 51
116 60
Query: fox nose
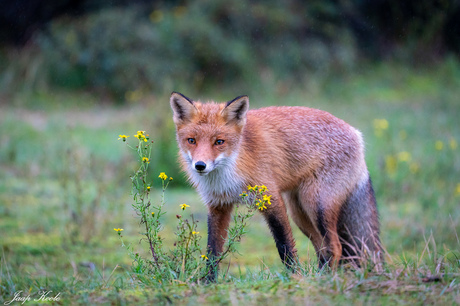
200 166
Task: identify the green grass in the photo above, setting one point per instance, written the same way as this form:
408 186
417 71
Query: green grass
64 186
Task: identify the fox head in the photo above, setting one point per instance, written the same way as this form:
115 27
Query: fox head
208 134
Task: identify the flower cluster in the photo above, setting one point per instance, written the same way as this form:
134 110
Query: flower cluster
142 136
261 200
257 188
163 176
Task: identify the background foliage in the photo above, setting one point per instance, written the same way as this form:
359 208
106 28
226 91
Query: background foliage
128 51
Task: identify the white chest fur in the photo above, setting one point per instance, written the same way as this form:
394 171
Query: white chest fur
221 186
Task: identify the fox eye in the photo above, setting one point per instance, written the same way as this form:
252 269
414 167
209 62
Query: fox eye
219 142
191 141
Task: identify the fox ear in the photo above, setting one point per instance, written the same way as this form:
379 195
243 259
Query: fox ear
235 110
183 108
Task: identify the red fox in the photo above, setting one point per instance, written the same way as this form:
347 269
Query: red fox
311 162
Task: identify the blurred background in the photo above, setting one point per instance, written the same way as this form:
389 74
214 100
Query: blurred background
76 74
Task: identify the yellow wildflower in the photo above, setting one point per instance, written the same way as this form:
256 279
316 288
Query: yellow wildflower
380 124
243 194
184 206
123 137
163 176
404 156
204 257
439 145
453 144
148 188
262 189
390 164
414 167
145 160
195 233
457 190
402 134
179 11
266 199
118 230
153 213
141 135
262 207
156 16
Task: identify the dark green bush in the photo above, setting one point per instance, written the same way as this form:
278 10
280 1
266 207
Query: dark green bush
200 44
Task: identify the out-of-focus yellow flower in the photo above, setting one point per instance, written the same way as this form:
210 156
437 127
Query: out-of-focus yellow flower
195 233
243 194
390 164
133 95
118 230
179 11
404 156
414 167
148 188
457 190
204 257
153 213
453 144
163 176
381 124
156 16
439 145
145 160
183 206
403 134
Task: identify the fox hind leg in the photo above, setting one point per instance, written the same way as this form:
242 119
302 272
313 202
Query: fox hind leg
327 225
319 222
303 220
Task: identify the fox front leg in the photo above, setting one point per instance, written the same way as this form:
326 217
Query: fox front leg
278 222
218 222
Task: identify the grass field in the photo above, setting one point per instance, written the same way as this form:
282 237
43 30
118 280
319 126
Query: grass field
64 187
